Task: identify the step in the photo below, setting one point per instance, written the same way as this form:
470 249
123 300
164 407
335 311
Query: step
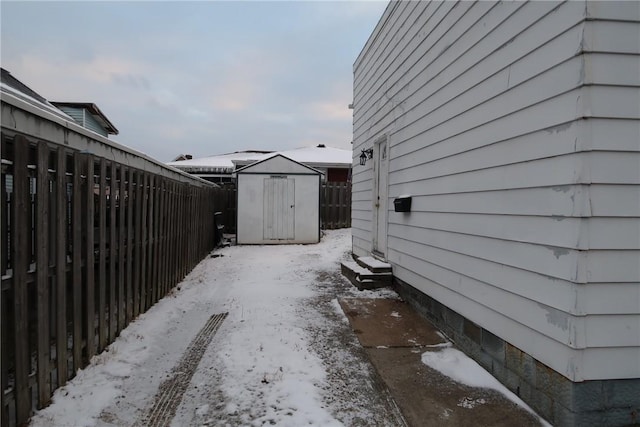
366 284
374 264
363 278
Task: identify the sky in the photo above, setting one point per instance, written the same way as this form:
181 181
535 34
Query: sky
203 78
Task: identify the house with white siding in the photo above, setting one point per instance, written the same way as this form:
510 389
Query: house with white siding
514 129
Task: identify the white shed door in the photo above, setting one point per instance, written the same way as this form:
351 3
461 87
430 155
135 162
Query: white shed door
279 208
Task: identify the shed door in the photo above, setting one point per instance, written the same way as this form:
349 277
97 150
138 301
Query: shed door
279 208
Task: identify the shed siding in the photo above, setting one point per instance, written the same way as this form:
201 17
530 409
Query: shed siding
515 128
251 216
278 202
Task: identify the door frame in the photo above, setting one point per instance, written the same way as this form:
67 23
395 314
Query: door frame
380 197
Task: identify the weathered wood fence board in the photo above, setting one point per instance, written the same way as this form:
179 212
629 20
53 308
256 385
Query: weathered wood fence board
88 244
335 203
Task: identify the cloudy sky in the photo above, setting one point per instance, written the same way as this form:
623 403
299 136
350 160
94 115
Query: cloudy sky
204 78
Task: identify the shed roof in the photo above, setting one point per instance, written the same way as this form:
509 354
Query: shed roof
279 164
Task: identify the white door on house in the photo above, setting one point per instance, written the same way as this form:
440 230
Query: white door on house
380 173
279 208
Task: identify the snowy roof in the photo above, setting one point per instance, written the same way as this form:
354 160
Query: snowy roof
318 156
15 87
222 161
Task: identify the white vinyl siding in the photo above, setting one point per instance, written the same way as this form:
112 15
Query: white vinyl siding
514 127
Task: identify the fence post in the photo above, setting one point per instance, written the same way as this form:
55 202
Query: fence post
102 257
61 267
121 247
113 190
139 238
144 241
20 262
42 271
90 261
130 228
76 231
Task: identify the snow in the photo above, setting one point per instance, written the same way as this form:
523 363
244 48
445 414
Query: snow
374 263
220 161
47 107
260 363
318 155
273 360
312 156
461 368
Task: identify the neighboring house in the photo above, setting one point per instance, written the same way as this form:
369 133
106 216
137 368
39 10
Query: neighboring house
334 163
515 129
89 116
18 89
217 169
85 114
180 157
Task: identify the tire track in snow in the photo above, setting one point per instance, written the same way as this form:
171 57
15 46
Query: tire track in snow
170 392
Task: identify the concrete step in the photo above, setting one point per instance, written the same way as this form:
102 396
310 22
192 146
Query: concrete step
363 278
374 265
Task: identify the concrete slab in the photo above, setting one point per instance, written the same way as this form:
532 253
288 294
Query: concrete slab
428 398
388 323
394 337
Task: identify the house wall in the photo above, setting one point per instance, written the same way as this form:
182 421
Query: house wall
338 175
91 123
515 127
85 119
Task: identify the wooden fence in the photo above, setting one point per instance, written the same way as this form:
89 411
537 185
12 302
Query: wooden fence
226 198
88 244
335 205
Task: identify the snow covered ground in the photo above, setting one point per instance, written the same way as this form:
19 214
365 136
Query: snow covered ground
285 354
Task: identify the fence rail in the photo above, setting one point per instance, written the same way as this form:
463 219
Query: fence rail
88 243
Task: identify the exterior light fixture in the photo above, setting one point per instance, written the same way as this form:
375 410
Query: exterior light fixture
366 154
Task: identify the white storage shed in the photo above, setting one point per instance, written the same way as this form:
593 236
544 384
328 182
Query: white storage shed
278 202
